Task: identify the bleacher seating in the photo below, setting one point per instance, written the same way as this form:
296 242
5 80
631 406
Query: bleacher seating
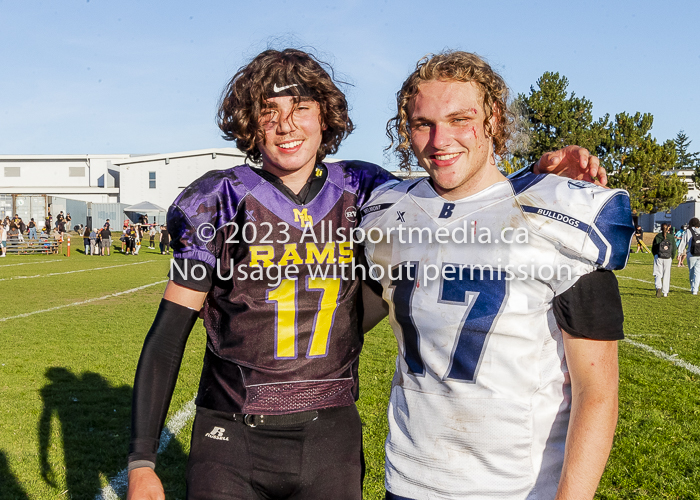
46 245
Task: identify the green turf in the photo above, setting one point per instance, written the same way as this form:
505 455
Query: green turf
66 376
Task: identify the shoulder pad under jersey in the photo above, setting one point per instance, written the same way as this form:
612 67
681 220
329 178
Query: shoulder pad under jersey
593 222
383 198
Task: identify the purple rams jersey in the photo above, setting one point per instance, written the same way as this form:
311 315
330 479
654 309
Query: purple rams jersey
281 320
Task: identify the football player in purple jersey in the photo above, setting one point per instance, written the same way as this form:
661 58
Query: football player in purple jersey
276 415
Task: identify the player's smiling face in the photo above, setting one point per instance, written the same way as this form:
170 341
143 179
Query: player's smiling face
446 120
293 134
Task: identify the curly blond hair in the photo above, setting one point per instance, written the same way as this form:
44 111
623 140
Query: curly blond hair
458 66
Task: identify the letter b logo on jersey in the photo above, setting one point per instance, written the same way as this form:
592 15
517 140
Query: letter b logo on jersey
446 212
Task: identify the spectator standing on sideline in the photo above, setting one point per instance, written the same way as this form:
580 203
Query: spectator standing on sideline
639 236
32 229
139 238
152 237
97 250
22 229
3 239
93 236
664 251
86 240
125 237
61 226
164 241
691 241
106 239
130 237
681 247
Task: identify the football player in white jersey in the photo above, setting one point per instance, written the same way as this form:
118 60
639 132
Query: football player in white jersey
504 387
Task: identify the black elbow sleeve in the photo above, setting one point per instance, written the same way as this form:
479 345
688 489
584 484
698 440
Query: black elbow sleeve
155 379
592 308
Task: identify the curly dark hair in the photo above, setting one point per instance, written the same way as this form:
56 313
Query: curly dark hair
244 97
458 66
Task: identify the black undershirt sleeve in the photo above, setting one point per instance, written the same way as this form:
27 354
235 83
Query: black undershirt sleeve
592 308
155 379
192 274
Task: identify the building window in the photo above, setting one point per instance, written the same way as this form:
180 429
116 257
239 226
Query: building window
76 171
151 180
11 171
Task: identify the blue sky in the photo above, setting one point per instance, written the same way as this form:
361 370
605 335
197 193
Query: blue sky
127 76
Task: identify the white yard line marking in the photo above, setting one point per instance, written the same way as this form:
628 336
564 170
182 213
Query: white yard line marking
27 263
76 271
652 283
117 294
672 358
119 483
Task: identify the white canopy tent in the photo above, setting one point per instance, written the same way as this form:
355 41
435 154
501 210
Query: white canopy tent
147 208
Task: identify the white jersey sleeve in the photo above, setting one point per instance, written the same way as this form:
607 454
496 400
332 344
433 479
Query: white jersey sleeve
586 220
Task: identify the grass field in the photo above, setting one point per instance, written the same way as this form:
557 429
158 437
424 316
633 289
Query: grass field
71 330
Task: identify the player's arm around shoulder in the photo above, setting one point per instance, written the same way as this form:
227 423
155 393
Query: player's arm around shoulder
594 375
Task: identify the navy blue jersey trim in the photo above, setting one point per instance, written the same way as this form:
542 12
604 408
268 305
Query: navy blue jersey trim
522 172
614 221
391 496
602 248
413 186
526 181
558 216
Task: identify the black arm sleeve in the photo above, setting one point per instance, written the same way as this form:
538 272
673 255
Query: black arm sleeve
155 379
592 308
374 309
371 307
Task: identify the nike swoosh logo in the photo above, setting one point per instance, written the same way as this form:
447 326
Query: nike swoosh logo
276 89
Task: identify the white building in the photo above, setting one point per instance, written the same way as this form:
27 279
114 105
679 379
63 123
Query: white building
682 213
33 185
160 178
27 182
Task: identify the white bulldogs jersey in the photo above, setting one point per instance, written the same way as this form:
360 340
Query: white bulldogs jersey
480 399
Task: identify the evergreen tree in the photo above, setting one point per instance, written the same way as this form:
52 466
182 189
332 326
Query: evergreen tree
635 161
684 159
557 119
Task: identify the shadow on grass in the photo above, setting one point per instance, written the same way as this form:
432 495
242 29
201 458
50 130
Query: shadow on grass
94 419
9 486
